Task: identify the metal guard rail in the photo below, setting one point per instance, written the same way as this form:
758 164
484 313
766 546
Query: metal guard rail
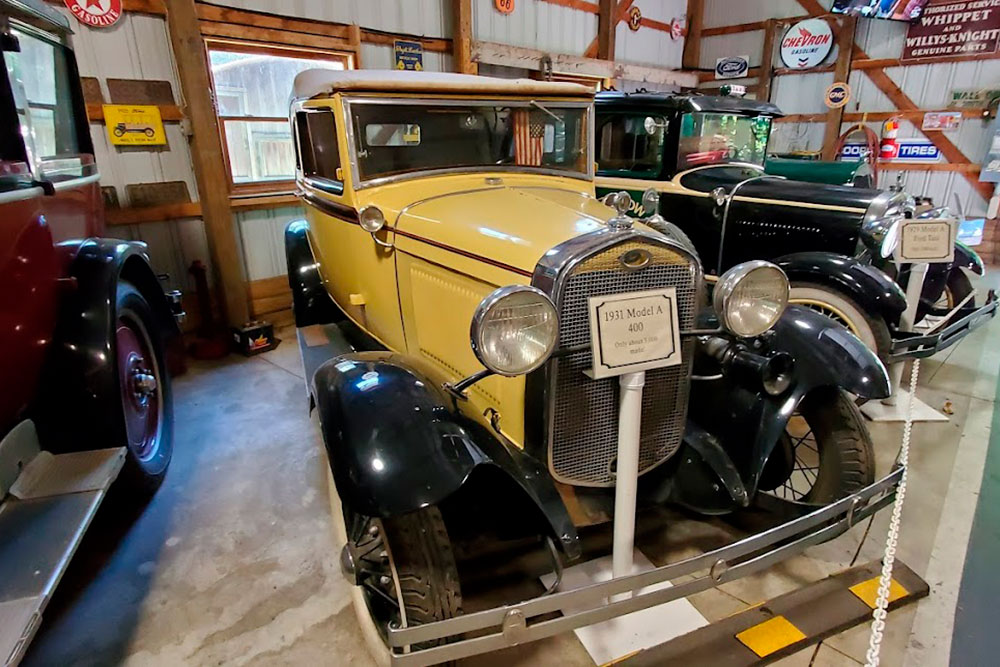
511 625
914 346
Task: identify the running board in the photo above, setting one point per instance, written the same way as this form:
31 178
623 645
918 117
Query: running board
42 521
788 623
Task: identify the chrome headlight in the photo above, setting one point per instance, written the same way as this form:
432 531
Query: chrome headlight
881 235
514 330
750 297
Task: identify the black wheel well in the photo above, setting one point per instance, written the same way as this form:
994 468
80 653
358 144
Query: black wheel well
136 270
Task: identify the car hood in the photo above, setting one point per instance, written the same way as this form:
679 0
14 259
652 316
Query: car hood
781 191
507 226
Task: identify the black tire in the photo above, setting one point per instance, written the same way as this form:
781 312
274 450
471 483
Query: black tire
840 449
144 469
425 564
841 308
957 288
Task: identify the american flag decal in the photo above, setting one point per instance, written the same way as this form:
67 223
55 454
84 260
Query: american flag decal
528 138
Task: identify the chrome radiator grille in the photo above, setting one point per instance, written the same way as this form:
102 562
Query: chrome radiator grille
583 425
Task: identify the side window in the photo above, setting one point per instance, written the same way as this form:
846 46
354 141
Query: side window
319 153
631 143
42 71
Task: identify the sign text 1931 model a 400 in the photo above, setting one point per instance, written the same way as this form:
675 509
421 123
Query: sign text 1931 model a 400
497 357
705 156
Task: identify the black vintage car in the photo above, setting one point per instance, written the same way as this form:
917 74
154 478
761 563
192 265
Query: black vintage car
705 156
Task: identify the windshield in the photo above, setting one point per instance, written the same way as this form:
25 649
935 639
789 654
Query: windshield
402 137
631 143
713 138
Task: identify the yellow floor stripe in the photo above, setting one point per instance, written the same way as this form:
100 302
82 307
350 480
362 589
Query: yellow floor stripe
772 635
867 591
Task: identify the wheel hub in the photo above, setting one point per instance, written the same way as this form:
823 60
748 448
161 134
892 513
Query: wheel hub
143 382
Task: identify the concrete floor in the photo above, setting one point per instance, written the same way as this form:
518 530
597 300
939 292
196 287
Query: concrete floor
233 561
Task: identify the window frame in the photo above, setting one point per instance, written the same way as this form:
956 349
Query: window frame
283 186
332 186
664 151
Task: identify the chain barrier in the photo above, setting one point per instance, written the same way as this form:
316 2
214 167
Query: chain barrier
892 537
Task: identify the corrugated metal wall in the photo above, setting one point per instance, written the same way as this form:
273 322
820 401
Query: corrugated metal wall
535 24
929 86
429 18
648 46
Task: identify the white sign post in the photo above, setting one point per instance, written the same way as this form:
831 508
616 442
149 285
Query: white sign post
630 334
921 242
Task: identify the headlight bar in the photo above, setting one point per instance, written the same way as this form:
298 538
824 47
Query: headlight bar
511 624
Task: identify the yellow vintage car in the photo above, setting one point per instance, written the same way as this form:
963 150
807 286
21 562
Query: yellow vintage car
498 357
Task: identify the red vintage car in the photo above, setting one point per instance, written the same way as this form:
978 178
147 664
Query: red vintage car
84 392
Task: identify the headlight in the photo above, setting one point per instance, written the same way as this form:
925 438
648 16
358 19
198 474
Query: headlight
750 297
881 235
514 330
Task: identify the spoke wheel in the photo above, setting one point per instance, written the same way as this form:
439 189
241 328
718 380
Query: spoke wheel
872 330
803 449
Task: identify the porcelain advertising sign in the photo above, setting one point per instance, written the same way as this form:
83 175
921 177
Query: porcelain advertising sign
950 28
96 13
807 44
732 67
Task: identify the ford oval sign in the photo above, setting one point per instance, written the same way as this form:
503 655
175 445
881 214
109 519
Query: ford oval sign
806 44
837 95
732 67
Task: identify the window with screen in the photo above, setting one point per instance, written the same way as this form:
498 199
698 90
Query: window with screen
252 85
318 147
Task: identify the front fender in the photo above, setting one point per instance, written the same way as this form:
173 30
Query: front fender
872 289
310 302
396 444
967 258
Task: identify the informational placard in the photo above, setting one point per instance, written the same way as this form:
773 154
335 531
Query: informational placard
409 55
634 332
134 125
942 120
732 67
806 44
949 28
95 13
927 241
837 95
973 98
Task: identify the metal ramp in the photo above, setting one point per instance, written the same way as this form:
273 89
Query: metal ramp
46 509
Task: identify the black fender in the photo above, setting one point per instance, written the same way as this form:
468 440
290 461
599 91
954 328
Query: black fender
80 377
396 443
826 355
872 289
967 258
311 303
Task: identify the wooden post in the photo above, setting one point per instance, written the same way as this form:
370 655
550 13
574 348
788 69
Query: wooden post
606 27
766 75
841 73
461 39
208 159
692 42
354 37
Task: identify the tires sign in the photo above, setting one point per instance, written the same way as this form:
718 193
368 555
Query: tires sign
907 150
96 13
732 67
806 44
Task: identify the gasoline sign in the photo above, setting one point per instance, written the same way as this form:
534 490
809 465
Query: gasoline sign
837 95
806 44
96 13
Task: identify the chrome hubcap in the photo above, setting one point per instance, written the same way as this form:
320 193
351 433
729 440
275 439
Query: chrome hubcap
143 382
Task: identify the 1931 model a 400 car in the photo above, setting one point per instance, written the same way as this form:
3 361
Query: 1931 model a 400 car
706 157
464 305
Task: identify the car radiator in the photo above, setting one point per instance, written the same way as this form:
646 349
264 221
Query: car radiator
583 414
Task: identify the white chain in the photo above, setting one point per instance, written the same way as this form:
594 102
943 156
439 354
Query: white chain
892 538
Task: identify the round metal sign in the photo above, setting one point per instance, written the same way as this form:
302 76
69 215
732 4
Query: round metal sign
96 13
837 95
678 27
634 18
806 44
504 6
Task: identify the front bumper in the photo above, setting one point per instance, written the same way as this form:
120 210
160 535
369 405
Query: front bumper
915 346
501 627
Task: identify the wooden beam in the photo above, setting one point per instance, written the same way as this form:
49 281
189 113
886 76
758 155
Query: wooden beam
168 112
233 16
155 7
802 118
786 71
913 115
695 31
582 5
274 36
606 28
619 14
516 56
462 37
881 63
748 27
841 73
207 158
766 74
706 76
968 169
436 44
141 214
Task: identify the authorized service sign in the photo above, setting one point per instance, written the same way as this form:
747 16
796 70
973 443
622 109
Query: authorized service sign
949 28
806 44
634 332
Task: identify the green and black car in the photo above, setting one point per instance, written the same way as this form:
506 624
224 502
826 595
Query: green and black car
705 157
